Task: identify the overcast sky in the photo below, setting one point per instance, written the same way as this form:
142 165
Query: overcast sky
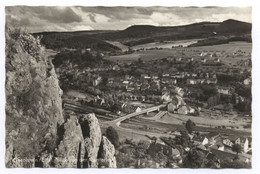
42 18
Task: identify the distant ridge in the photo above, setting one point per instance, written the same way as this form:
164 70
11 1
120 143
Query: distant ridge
141 34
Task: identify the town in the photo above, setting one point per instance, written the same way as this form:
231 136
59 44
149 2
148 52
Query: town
212 89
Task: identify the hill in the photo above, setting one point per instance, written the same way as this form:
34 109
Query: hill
141 34
74 40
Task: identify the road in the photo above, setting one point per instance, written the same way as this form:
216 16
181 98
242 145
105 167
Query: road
116 122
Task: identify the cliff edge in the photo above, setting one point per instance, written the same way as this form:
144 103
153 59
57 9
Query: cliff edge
37 133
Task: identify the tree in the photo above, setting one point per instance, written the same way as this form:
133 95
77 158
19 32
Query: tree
194 159
183 139
189 125
112 135
236 148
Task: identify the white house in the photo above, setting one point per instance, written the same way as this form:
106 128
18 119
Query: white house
201 140
138 109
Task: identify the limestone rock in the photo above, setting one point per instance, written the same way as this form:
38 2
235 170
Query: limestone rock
107 153
70 151
92 137
33 97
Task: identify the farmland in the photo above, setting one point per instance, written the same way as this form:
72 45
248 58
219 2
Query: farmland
149 55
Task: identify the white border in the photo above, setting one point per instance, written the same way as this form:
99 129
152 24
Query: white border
255 72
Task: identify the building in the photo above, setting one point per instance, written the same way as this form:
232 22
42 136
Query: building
219 146
191 81
244 144
138 109
225 91
203 60
228 142
211 81
201 139
183 110
171 107
179 91
216 60
97 81
166 97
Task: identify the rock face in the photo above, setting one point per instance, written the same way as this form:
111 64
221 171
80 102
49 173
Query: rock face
70 151
92 137
33 97
107 153
37 133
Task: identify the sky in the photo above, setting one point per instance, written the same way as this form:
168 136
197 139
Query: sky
76 18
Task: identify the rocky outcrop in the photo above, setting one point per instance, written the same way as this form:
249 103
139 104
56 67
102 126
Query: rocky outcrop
107 154
70 151
92 137
33 97
37 133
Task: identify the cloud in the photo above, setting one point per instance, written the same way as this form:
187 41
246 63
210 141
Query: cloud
58 18
92 17
13 21
58 15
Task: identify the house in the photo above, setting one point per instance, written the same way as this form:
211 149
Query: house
201 139
178 101
201 147
194 75
130 89
171 107
191 59
179 59
225 91
179 91
145 76
216 60
203 60
203 54
126 82
97 81
155 76
183 110
213 137
227 142
166 97
191 81
214 76
247 81
138 109
174 82
211 81
218 146
191 110
244 144
166 75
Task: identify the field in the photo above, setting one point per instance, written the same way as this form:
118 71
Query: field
149 55
169 44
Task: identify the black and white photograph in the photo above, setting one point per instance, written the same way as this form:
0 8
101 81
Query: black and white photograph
159 87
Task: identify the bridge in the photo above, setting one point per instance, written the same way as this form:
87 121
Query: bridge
120 119
116 122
